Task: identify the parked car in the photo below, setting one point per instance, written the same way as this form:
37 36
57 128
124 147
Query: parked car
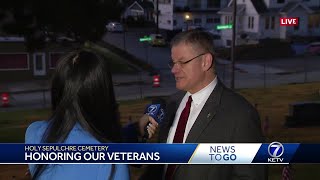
213 32
65 39
314 48
195 27
157 40
192 27
114 27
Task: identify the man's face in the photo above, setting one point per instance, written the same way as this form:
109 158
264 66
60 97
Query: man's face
189 75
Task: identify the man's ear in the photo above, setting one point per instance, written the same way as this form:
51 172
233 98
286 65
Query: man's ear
207 62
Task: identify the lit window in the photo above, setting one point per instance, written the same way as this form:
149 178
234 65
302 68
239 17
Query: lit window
14 62
209 20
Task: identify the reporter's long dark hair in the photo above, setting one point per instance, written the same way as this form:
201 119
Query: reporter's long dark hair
82 92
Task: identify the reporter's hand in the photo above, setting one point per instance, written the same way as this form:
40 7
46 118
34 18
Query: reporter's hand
152 125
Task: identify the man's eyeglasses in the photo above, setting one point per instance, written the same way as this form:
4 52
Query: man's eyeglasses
180 63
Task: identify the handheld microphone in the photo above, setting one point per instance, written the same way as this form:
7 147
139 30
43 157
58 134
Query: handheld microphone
155 110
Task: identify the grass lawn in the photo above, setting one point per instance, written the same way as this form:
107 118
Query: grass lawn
13 124
266 49
271 102
120 61
118 64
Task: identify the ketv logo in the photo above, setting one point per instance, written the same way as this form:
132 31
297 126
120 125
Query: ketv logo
275 150
289 21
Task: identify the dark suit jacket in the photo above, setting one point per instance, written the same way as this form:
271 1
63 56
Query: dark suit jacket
225 118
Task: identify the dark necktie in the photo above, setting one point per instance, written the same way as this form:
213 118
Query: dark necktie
178 136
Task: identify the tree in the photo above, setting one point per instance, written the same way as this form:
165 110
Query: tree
40 20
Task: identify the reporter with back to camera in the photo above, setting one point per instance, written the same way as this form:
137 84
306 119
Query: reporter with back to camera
84 111
203 111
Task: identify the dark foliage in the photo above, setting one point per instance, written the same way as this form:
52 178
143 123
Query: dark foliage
39 20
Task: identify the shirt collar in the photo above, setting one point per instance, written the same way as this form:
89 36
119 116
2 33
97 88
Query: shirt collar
204 93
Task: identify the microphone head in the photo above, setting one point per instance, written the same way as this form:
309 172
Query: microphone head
152 109
156 109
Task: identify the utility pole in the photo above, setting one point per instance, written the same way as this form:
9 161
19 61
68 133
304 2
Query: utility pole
187 18
157 17
124 40
146 51
233 45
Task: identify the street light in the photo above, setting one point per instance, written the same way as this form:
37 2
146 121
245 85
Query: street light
124 40
187 17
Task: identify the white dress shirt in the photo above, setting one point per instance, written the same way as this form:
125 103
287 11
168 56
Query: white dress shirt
198 100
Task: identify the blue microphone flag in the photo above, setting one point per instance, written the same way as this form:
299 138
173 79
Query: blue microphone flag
155 111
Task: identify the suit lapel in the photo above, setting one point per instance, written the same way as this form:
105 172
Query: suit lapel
206 115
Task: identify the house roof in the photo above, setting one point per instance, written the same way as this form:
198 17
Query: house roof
260 6
288 7
293 5
142 3
135 6
229 10
315 9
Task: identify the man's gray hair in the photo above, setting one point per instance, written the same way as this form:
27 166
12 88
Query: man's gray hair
198 40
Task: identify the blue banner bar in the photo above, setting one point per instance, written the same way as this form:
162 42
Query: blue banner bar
307 153
93 153
239 153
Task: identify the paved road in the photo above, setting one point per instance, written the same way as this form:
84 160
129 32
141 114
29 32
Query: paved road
137 91
126 88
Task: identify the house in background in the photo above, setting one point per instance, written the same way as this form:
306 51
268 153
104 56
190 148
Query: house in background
17 64
139 9
260 19
178 15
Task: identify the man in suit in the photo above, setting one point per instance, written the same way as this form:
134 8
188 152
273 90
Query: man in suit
204 111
